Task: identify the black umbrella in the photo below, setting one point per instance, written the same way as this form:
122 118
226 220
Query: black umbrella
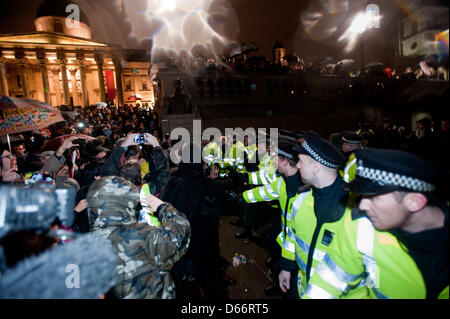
244 48
247 47
69 116
374 65
323 60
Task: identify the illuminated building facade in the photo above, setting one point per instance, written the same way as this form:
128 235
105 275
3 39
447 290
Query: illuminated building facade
59 64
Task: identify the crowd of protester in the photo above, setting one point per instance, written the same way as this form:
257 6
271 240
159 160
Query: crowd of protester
119 167
435 69
162 218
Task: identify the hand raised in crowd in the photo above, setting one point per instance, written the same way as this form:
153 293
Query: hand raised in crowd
10 175
66 145
151 140
152 202
131 140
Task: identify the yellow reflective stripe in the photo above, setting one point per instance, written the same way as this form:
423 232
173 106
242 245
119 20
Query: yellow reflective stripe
297 203
254 178
269 189
299 286
318 254
315 292
249 195
263 195
280 181
331 278
340 273
364 243
347 168
263 178
289 246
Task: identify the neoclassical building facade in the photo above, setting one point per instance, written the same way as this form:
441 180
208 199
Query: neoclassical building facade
59 65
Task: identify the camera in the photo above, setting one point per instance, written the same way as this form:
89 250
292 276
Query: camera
35 206
140 139
79 141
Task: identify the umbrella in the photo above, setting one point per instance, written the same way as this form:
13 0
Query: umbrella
69 115
424 68
56 142
22 115
12 138
345 63
244 48
101 105
374 65
248 47
323 60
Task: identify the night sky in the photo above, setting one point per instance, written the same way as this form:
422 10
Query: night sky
260 21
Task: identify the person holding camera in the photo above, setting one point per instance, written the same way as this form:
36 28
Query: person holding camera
146 253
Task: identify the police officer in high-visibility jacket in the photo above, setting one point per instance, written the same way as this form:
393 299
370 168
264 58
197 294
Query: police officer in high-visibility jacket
234 155
212 152
351 142
280 190
396 244
315 212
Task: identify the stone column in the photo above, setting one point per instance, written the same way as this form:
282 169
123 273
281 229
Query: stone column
84 91
101 79
73 78
23 75
55 72
45 85
3 80
119 88
65 82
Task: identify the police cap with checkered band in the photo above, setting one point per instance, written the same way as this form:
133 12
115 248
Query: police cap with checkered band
380 171
351 137
287 148
321 150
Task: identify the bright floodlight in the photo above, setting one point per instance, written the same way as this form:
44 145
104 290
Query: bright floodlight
361 22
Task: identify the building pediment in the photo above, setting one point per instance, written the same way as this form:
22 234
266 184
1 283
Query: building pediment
47 38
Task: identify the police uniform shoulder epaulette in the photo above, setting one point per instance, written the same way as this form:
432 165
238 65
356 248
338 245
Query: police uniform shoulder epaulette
303 188
357 213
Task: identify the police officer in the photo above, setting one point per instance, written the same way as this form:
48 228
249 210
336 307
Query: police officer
212 151
314 213
284 185
396 244
282 190
351 142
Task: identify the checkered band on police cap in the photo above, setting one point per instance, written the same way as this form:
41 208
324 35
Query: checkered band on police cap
383 178
285 154
316 156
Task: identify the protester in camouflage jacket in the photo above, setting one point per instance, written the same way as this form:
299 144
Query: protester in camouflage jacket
146 253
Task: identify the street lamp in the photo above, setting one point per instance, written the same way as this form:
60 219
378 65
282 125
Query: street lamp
363 21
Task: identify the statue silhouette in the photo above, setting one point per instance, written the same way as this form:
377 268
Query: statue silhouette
178 103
